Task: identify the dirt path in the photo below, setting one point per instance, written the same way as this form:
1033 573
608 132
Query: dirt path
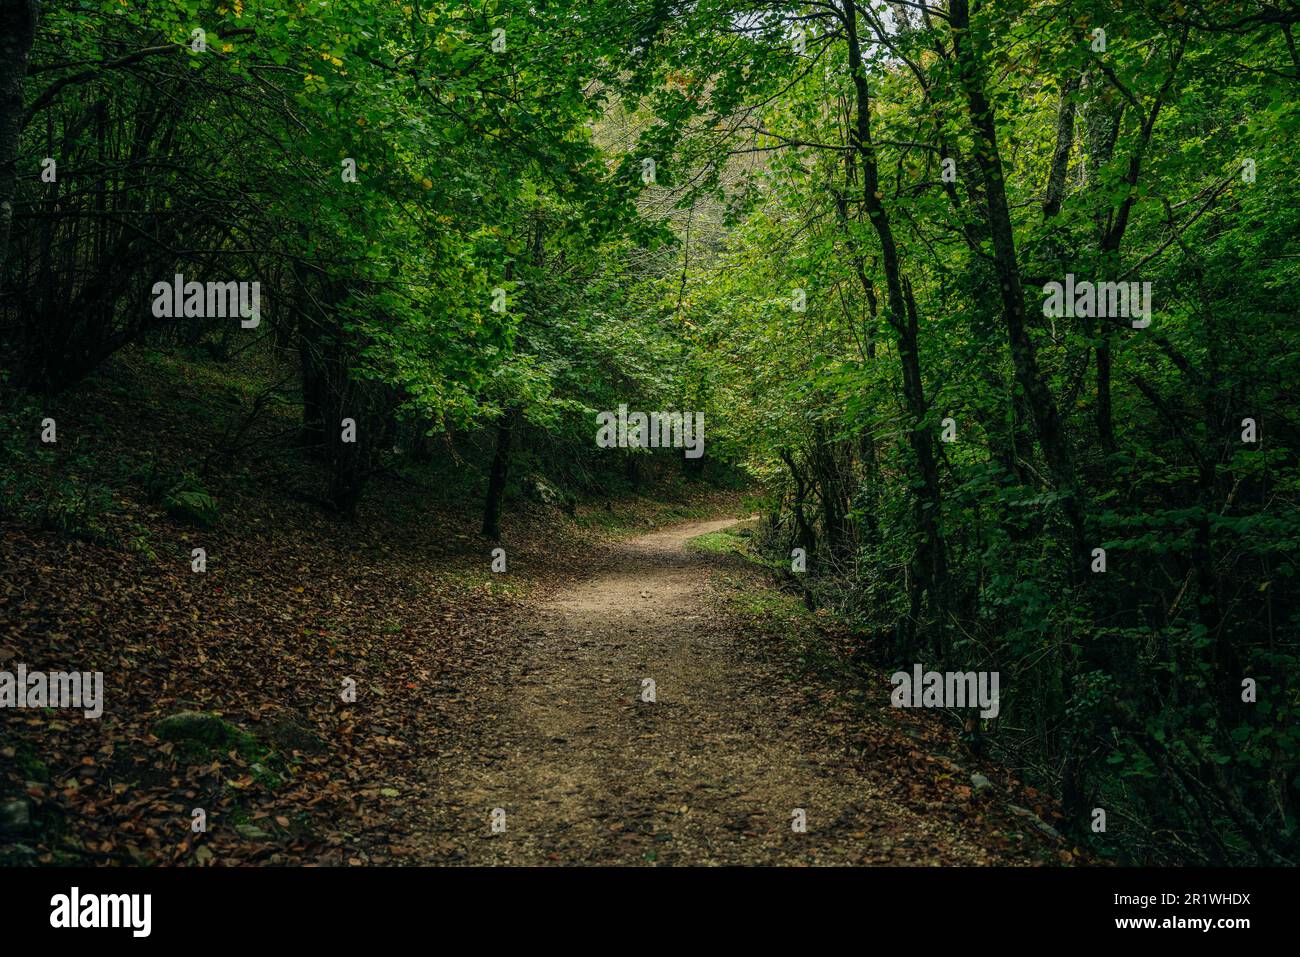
712 771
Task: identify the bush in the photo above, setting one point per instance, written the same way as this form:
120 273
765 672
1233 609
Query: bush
181 494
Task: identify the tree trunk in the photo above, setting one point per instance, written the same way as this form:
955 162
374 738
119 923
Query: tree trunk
496 490
1042 406
1064 144
805 538
928 564
18 19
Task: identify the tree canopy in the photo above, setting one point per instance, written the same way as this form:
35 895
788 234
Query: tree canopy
992 303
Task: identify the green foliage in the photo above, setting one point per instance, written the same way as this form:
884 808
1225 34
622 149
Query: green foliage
182 495
76 510
192 504
1127 682
806 270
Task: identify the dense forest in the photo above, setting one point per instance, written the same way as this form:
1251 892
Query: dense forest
988 307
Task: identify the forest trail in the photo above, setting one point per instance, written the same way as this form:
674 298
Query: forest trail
711 772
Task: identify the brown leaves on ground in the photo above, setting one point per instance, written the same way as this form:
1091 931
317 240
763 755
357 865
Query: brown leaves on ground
293 602
915 756
402 602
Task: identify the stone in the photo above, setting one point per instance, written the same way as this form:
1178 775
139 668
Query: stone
15 819
199 726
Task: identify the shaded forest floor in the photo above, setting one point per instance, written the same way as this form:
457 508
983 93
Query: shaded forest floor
474 690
